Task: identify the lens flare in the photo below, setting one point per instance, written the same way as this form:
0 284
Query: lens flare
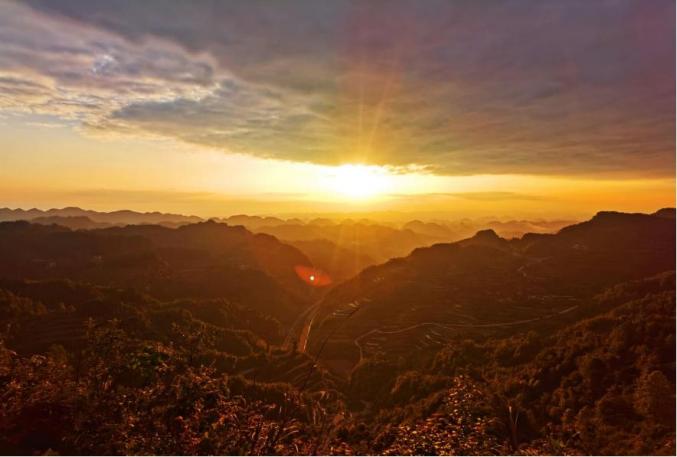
312 276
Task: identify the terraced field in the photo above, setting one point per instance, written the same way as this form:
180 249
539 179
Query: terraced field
38 334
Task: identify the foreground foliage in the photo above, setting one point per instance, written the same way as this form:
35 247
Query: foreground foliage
603 385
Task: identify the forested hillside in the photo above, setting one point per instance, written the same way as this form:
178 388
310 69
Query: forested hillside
147 339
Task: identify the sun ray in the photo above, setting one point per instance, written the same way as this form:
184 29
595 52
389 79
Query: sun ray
358 182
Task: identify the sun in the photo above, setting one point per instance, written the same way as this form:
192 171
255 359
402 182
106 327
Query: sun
359 182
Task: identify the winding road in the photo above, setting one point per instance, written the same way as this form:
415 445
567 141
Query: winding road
445 326
300 328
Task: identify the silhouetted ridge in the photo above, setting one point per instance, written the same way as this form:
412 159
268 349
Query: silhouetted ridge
72 222
610 227
121 217
667 213
487 234
485 238
617 216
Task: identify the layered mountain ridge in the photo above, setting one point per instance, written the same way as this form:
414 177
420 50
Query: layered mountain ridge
487 284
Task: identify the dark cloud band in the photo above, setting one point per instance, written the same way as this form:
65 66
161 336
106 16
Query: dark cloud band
455 87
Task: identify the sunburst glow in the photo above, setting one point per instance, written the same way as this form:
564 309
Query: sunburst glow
360 181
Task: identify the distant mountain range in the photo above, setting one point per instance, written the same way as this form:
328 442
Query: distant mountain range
342 248
488 284
74 217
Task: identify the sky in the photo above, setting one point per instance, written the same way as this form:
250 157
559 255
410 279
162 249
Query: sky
510 108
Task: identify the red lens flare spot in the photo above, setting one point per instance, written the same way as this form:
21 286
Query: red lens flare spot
312 276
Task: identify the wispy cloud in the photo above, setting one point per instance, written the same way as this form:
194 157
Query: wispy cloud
485 196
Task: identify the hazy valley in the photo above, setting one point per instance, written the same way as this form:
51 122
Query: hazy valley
437 350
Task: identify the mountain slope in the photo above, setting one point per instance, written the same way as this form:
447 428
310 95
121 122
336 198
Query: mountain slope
487 285
205 260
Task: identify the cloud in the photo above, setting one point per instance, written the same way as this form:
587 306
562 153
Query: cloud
456 88
484 196
495 196
50 66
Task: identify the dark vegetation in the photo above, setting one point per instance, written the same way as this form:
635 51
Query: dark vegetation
151 340
206 260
